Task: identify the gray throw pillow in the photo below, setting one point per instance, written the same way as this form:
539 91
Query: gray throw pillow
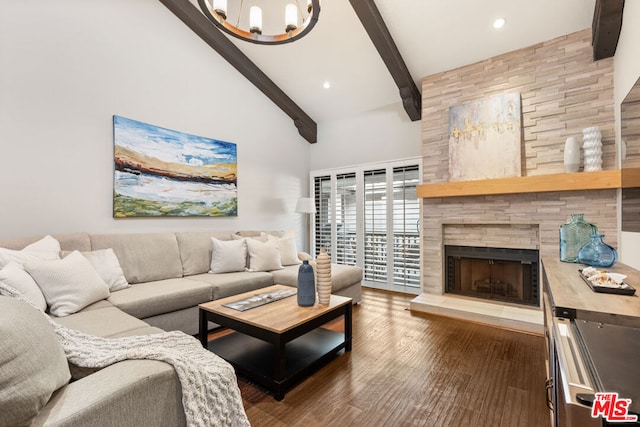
32 360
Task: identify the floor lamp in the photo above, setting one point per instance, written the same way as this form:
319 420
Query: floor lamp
307 206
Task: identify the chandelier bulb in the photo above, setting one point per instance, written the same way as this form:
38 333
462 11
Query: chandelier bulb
220 7
290 17
255 20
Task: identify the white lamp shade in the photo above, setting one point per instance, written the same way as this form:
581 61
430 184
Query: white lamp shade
306 205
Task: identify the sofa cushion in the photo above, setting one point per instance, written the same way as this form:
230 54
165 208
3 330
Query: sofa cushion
78 372
33 362
228 256
68 284
103 322
161 296
287 276
129 393
342 276
228 284
195 250
13 274
143 257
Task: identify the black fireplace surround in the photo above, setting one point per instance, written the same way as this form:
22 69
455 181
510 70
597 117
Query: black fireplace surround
508 275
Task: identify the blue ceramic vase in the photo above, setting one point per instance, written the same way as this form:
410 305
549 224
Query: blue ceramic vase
306 285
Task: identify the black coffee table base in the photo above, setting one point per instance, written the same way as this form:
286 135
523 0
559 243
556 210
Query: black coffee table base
279 361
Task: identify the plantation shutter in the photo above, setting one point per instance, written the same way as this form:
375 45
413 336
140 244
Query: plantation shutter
406 224
375 225
322 226
346 207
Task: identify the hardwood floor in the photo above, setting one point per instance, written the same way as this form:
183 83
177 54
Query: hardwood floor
416 370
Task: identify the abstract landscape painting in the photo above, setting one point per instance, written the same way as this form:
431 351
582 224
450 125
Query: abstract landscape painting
485 138
163 172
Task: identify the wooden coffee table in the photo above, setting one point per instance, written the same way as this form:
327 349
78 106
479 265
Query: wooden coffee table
280 343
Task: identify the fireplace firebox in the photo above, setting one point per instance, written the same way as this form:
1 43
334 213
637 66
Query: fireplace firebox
508 275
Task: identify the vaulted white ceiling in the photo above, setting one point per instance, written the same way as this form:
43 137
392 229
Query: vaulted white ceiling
432 36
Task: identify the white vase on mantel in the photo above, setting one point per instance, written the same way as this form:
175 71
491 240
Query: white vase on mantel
592 147
571 155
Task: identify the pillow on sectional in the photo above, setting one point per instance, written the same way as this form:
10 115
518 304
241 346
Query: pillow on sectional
45 248
33 362
68 284
106 264
263 256
287 248
228 256
14 275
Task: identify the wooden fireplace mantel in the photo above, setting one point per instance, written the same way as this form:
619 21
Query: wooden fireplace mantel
601 180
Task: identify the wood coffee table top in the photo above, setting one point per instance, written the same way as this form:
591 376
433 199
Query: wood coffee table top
278 316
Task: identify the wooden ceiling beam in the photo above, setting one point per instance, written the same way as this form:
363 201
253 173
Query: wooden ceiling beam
606 26
373 23
200 25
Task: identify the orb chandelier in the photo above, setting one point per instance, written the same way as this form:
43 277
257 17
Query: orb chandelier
246 23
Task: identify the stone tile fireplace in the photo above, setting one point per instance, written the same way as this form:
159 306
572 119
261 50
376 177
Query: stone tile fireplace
512 221
562 91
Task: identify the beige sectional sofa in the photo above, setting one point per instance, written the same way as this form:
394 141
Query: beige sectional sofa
169 277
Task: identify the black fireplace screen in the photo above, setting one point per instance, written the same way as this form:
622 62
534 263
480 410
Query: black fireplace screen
510 275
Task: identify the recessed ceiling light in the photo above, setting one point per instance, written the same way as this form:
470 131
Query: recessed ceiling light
499 23
326 85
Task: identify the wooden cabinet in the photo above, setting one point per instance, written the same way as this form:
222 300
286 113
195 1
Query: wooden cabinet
568 299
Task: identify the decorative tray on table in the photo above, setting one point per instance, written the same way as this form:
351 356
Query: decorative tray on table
606 282
260 299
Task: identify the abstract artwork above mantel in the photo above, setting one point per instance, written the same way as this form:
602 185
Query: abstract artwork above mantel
162 172
485 138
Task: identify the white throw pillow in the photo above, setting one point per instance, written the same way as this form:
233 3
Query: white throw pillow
46 248
263 256
108 267
69 284
228 255
288 250
14 275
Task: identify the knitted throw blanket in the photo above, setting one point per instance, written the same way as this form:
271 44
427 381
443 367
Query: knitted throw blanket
210 393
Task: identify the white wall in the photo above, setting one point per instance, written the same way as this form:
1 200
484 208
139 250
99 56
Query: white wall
66 67
376 136
626 71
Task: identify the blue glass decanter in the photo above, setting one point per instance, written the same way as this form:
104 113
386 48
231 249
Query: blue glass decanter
574 235
597 253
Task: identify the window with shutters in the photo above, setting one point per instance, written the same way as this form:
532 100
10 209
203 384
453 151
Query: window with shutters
369 216
406 226
346 226
375 225
322 222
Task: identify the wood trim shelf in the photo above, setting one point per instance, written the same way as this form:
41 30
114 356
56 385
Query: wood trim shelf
601 180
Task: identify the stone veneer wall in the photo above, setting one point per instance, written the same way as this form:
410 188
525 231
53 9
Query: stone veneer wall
562 91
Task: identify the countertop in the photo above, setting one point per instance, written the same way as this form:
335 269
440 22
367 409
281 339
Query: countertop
571 297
